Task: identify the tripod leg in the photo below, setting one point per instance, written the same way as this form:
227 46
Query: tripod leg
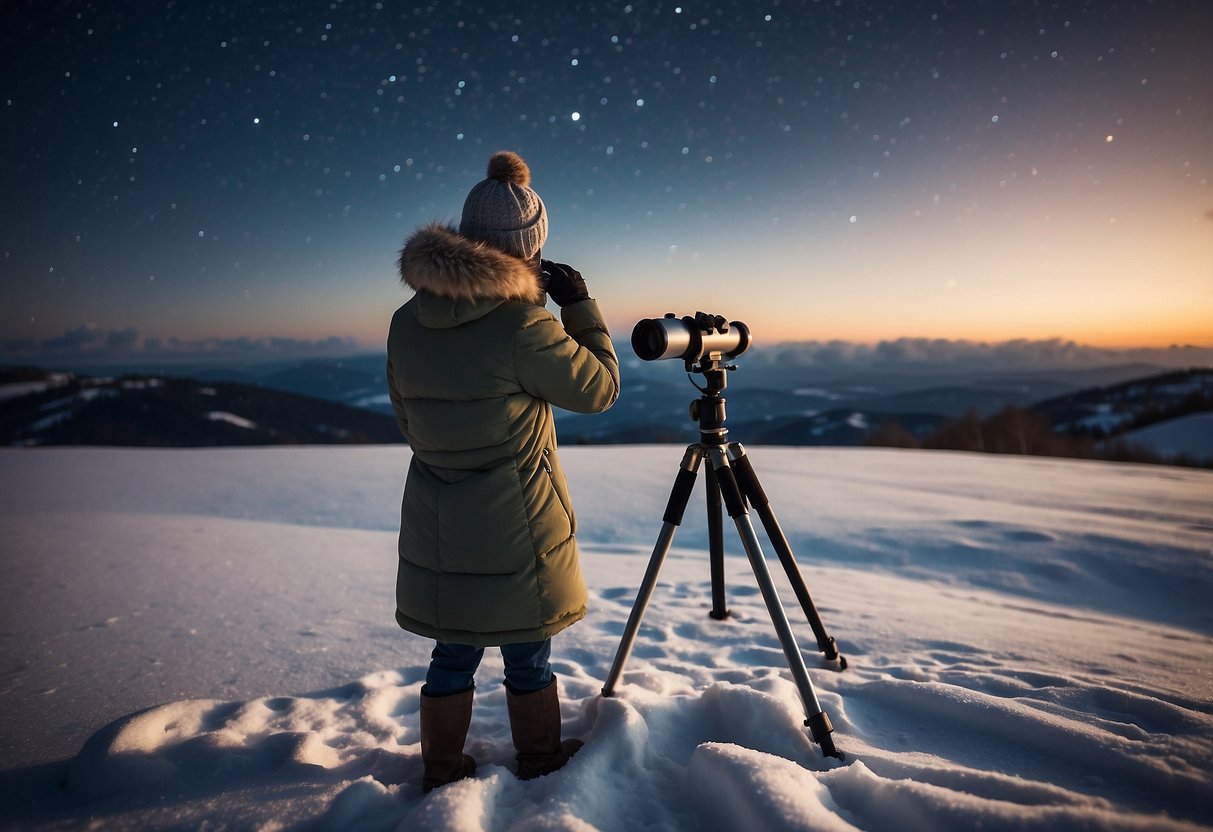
818 721
674 510
720 610
747 481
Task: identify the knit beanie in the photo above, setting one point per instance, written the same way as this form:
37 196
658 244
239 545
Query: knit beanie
503 211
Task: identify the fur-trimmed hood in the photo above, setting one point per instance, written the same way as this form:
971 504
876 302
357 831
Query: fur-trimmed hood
439 260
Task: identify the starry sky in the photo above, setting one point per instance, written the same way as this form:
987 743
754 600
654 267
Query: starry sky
201 177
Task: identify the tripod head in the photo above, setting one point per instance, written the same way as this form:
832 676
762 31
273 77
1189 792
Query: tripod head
703 342
708 410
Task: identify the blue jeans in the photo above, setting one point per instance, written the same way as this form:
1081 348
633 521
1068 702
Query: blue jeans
528 667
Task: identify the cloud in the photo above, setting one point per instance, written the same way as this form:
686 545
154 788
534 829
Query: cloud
89 342
122 339
941 354
85 337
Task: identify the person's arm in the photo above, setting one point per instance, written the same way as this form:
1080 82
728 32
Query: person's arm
571 366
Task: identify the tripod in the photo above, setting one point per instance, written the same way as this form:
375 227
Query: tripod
731 480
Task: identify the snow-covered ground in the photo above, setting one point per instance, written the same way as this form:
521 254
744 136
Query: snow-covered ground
204 639
1190 435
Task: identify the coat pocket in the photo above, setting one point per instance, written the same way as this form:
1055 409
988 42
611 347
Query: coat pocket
477 520
550 513
556 483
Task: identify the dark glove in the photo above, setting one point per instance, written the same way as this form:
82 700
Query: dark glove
565 284
709 323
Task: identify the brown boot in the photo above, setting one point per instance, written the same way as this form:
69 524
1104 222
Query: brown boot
444 727
535 725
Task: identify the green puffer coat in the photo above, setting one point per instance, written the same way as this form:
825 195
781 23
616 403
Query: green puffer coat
487 548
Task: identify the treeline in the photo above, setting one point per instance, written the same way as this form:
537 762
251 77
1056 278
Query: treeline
1198 401
1017 430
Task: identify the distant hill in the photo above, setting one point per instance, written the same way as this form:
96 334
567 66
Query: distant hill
356 382
1185 437
848 427
773 403
327 402
1161 418
1167 415
1112 410
43 408
359 381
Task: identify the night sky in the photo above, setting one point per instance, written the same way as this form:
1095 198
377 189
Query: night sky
197 176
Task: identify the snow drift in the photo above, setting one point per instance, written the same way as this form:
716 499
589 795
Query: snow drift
205 638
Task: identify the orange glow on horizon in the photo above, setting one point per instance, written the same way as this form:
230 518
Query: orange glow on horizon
1145 336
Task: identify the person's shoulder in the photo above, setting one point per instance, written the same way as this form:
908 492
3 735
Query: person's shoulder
405 313
524 314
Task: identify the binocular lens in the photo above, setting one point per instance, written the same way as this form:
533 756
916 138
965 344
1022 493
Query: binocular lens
656 338
651 339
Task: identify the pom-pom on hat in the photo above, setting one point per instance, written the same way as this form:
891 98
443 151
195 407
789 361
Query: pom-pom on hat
503 211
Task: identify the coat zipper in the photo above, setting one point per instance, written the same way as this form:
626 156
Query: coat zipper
547 466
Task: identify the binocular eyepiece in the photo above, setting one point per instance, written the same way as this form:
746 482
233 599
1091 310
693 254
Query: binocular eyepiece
689 338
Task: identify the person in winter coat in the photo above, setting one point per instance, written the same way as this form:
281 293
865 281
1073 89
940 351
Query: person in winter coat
488 553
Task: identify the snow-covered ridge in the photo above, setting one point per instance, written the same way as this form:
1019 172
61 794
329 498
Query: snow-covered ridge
1190 436
176 412
17 389
1029 643
231 419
